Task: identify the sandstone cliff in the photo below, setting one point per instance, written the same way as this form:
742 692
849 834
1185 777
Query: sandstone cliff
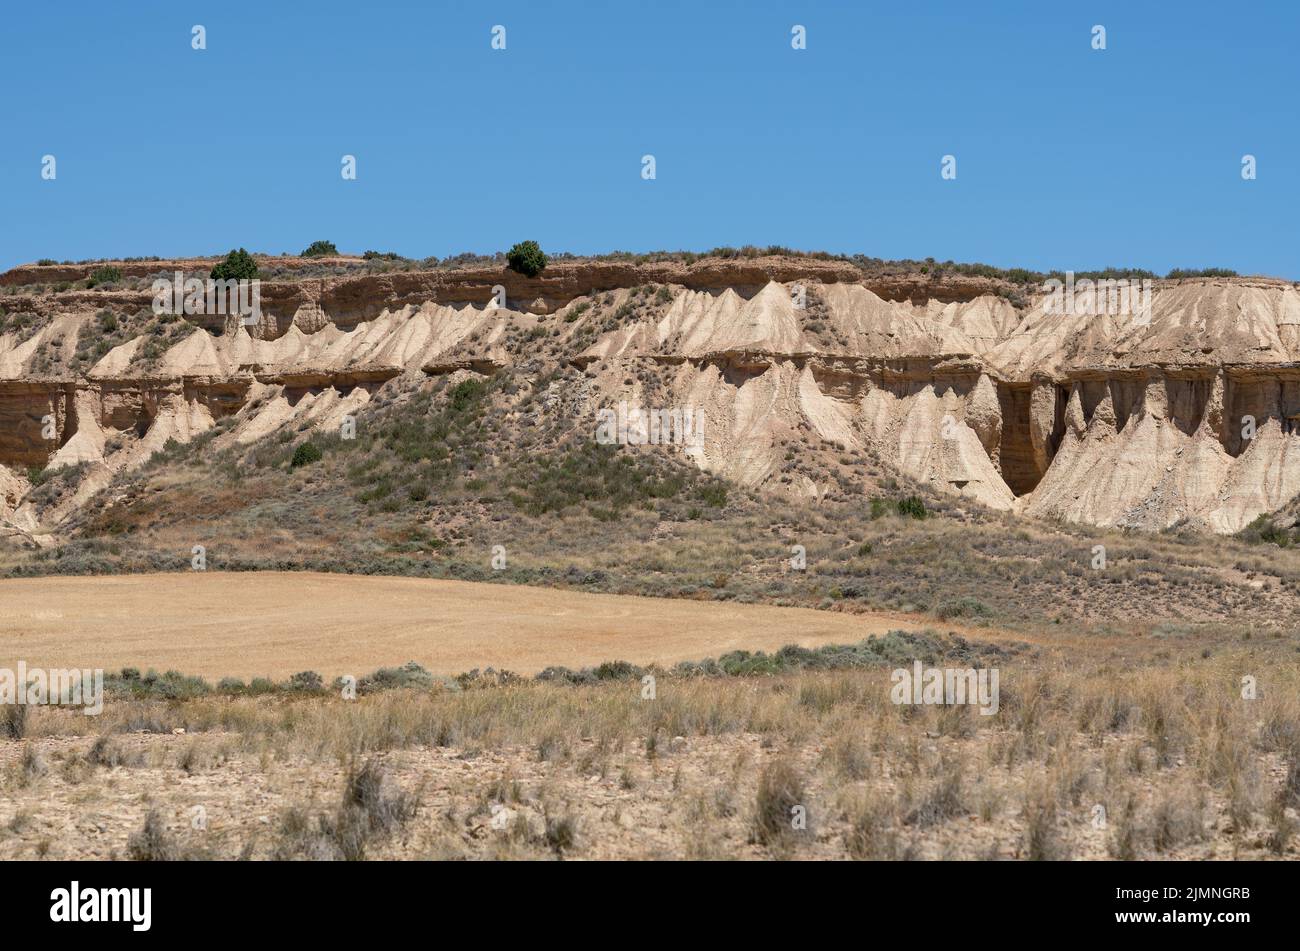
1184 415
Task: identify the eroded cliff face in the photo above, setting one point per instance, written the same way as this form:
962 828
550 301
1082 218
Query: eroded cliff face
1103 419
1183 414
1148 448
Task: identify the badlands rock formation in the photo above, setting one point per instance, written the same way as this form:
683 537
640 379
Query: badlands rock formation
1103 419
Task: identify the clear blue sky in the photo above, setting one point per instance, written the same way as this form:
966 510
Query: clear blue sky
1066 157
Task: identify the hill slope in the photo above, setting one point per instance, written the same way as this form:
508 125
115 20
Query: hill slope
799 374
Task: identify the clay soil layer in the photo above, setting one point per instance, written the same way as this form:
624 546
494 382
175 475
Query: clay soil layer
273 624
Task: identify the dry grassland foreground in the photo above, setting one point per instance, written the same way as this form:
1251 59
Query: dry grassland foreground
801 753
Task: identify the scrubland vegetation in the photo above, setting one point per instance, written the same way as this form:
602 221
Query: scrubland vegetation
1088 758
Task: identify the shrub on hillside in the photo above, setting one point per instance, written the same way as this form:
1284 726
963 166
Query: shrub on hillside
305 454
1264 529
104 275
238 266
962 608
1180 272
465 393
608 484
527 258
714 494
911 506
320 249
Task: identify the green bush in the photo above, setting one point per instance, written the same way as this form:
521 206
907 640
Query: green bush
305 454
607 483
962 607
409 674
1180 272
1263 529
171 685
714 494
526 258
912 505
320 249
238 266
104 275
465 393
305 681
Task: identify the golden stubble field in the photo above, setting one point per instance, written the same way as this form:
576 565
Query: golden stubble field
274 624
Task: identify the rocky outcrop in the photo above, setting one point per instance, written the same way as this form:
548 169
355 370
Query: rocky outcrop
27 274
352 298
1108 419
1186 414
36 416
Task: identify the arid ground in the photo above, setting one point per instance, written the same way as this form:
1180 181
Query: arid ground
1086 759
914 463
274 624
1104 745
